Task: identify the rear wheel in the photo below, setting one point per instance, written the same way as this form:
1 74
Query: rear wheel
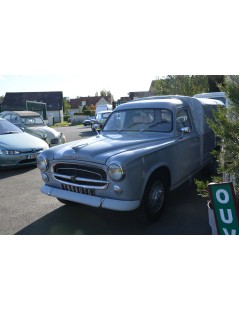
153 200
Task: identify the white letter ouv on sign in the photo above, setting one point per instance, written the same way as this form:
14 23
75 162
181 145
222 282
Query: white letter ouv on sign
224 193
233 231
229 216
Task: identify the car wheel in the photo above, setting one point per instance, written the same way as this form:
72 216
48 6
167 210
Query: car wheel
153 200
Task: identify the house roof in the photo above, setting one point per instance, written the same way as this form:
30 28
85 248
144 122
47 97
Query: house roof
17 101
76 103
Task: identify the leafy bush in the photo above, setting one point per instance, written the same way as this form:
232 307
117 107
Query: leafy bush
226 129
87 112
66 118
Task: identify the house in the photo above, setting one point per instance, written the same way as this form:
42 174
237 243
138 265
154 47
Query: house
78 104
53 100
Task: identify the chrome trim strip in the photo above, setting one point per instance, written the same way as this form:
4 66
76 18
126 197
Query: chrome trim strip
106 183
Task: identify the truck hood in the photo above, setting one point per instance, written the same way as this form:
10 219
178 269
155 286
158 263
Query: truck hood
100 148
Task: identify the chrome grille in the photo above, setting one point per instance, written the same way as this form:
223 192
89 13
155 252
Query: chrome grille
87 177
32 151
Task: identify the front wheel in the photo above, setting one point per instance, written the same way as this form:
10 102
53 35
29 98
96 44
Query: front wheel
153 200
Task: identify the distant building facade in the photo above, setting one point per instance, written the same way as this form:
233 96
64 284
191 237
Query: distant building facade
78 104
54 102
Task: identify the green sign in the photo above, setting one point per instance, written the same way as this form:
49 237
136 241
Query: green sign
225 208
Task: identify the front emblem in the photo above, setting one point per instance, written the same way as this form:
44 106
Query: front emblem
73 178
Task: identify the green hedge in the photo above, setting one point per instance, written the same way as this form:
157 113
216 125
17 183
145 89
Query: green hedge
66 118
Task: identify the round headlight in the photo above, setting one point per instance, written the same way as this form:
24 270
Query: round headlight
42 163
115 171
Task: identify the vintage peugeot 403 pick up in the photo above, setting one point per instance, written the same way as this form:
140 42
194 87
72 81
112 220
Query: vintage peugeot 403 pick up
147 148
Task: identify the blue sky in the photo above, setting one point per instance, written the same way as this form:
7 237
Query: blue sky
73 85
80 47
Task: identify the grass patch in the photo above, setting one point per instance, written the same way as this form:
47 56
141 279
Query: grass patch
64 124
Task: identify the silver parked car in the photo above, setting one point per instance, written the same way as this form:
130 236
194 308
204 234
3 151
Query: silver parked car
88 121
147 148
100 119
18 148
32 123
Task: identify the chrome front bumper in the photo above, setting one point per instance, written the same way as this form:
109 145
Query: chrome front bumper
93 201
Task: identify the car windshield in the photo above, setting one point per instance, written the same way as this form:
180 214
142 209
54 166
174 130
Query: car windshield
32 120
158 120
8 128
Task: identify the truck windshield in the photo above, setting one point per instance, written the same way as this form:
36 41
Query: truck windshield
159 120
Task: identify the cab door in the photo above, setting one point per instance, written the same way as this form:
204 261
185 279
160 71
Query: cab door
188 143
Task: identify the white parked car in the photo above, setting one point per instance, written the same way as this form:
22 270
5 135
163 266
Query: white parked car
18 148
214 95
100 120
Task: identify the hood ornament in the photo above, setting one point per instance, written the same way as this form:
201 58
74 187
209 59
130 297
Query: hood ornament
77 147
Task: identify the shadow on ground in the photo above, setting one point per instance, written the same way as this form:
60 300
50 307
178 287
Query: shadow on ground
185 214
9 172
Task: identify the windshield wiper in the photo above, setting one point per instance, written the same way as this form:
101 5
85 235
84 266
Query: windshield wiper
151 125
127 127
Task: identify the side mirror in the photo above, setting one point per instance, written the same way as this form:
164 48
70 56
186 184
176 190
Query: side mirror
185 129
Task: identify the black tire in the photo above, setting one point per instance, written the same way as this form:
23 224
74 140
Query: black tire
153 200
211 169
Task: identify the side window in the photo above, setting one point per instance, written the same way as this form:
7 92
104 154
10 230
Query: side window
183 120
8 117
15 119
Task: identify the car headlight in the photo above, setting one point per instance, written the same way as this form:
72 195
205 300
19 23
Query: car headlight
42 163
115 171
9 152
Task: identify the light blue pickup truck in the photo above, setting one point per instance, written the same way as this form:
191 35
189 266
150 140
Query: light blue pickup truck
147 148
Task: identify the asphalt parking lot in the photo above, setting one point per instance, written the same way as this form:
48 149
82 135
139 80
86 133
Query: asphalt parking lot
24 210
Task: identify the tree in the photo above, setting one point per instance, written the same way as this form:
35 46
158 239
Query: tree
66 105
226 128
214 81
106 93
187 85
1 101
